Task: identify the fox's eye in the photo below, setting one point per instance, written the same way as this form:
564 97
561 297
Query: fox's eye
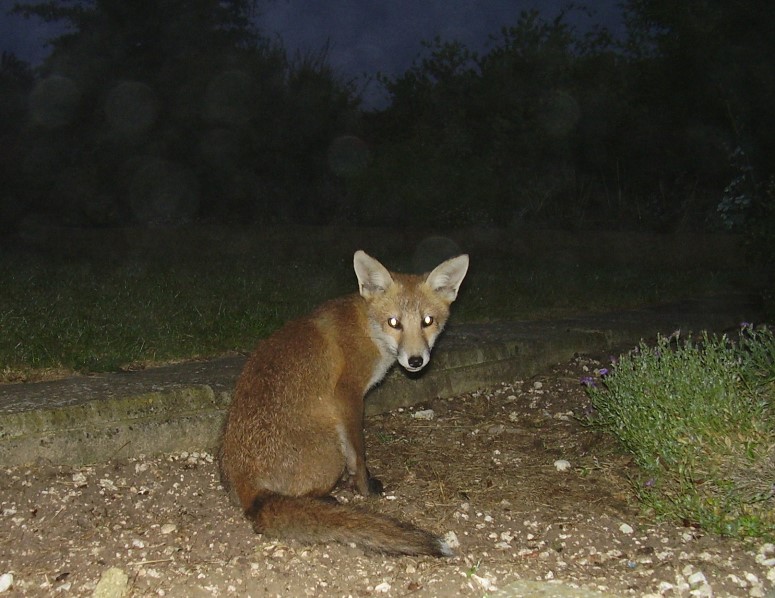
427 321
394 323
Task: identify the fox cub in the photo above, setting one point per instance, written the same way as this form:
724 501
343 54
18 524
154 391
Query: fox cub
295 426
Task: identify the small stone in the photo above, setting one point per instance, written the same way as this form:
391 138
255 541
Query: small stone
665 587
451 539
427 414
626 529
6 581
112 584
108 484
382 588
168 528
697 578
485 583
562 465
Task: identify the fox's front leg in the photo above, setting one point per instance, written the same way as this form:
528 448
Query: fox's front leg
350 430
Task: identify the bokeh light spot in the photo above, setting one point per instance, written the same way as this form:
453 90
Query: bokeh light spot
131 108
54 101
348 155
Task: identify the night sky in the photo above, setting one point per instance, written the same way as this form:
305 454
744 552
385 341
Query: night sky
365 36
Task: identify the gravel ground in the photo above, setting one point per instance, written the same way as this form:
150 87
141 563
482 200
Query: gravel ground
508 475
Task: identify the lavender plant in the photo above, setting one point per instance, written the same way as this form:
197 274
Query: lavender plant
698 417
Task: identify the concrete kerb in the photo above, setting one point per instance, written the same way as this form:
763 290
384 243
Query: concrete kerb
181 407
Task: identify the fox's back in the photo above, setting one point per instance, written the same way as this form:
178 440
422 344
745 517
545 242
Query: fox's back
303 359
284 415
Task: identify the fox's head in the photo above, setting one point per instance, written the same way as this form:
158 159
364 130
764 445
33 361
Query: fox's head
407 312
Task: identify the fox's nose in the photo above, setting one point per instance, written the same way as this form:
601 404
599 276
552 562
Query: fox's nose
415 361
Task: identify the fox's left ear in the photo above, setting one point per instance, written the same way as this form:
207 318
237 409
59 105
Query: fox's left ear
445 278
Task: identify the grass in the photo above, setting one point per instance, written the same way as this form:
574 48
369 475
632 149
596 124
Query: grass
74 317
101 303
699 418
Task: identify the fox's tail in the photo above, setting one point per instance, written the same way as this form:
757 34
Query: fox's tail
311 520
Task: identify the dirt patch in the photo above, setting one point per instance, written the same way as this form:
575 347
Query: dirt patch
487 467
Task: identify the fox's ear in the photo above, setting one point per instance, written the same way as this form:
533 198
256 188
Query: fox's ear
447 276
373 277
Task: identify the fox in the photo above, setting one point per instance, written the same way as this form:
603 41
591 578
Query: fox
294 428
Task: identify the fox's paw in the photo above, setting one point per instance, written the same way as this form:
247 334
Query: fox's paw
375 486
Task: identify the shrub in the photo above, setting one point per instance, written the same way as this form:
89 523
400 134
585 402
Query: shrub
698 416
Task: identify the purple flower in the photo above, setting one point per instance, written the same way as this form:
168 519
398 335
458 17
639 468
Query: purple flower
588 381
603 371
649 483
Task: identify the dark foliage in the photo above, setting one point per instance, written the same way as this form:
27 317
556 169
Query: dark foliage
558 128
16 82
166 112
